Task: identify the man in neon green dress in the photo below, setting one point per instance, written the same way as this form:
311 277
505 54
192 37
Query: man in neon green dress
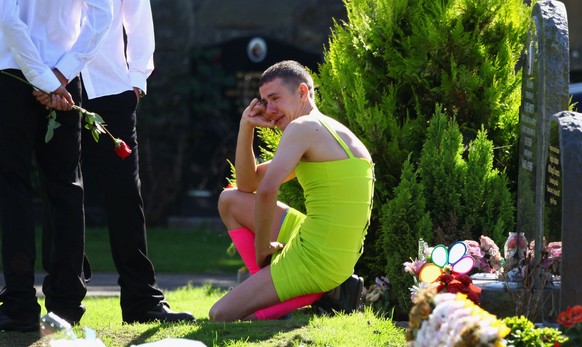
295 254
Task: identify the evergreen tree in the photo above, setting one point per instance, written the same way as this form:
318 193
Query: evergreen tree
392 61
404 221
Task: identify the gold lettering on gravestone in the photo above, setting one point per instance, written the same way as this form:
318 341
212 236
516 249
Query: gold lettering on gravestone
528 127
245 90
553 183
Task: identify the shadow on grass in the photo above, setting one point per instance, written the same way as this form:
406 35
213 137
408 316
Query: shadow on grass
18 339
144 335
220 334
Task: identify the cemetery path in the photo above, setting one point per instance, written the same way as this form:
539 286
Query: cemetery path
105 284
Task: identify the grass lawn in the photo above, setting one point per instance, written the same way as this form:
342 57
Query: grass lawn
204 251
171 250
305 328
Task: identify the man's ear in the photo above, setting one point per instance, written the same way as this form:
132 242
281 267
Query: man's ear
303 91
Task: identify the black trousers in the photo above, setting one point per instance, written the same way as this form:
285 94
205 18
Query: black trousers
119 183
23 124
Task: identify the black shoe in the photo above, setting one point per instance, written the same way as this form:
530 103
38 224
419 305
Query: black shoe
11 324
285 317
347 297
161 312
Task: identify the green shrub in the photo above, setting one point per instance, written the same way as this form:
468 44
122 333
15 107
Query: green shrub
385 70
404 222
447 199
525 334
443 172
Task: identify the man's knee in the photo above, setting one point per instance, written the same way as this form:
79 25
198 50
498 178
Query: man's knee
225 200
216 314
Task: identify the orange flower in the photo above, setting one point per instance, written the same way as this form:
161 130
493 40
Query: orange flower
570 317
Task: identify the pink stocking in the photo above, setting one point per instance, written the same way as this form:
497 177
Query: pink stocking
244 241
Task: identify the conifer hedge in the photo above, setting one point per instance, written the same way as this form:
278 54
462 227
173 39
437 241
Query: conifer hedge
388 67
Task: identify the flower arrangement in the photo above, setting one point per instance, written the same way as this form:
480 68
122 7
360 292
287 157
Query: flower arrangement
447 319
487 256
444 270
571 322
519 256
93 122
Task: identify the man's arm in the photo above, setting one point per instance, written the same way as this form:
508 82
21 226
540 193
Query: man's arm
96 20
139 29
16 34
248 173
294 143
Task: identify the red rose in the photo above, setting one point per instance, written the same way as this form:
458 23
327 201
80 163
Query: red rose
455 287
466 280
122 149
445 278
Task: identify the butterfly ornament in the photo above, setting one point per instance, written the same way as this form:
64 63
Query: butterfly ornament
447 260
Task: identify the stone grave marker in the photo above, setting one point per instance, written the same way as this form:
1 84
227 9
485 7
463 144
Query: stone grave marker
562 208
544 92
545 80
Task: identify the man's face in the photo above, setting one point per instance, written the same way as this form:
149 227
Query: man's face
282 103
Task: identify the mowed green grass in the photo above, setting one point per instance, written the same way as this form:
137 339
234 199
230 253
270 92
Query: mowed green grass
171 250
175 250
303 329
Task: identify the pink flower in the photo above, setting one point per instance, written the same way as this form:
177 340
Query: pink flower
414 267
554 249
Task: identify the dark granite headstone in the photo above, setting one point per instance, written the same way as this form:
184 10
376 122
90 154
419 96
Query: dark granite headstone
544 92
563 208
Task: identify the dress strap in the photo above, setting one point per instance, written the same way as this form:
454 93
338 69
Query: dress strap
337 138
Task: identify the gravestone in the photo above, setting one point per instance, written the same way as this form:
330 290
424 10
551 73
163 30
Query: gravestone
545 80
563 211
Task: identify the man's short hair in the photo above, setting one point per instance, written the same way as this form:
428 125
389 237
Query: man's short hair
291 72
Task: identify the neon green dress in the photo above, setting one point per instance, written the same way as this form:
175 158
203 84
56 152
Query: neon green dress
323 246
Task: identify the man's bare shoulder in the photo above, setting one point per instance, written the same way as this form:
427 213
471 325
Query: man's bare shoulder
303 125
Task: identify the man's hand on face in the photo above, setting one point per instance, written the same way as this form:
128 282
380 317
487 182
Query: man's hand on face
255 115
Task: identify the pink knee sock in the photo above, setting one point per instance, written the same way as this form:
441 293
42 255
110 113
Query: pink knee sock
244 241
290 305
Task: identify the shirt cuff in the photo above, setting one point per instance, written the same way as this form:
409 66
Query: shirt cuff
69 66
138 80
47 82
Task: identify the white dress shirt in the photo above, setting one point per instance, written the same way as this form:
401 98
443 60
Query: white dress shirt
118 67
39 35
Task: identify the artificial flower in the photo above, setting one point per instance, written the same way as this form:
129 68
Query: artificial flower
413 267
487 257
446 319
570 317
